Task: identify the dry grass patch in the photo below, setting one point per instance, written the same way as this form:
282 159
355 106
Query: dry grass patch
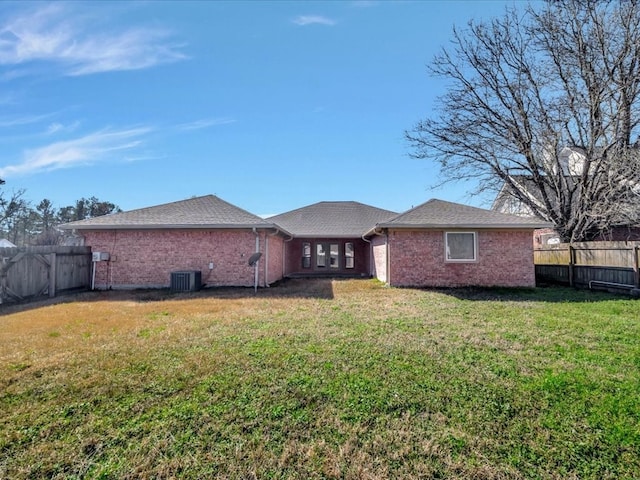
322 379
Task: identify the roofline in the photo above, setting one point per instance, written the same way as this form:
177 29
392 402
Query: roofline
331 201
176 226
522 226
328 236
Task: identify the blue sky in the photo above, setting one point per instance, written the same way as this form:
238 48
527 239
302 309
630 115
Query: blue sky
269 105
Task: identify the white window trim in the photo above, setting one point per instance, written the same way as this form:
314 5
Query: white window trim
460 260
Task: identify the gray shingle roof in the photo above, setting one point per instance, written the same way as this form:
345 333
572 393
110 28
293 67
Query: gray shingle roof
331 219
441 214
208 211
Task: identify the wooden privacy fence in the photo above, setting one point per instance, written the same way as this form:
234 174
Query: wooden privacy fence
590 264
31 272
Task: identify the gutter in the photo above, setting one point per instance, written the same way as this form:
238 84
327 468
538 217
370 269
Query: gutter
477 226
370 253
162 226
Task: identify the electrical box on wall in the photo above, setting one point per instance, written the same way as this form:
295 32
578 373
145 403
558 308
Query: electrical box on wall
100 256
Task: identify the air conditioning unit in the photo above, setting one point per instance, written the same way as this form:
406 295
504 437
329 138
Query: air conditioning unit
100 256
186 281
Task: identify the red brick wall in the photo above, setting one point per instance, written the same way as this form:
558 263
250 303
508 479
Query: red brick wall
146 258
275 265
504 258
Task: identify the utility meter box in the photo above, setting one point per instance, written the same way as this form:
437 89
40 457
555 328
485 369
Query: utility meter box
100 256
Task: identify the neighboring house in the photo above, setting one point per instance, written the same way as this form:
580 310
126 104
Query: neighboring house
205 234
437 244
444 244
571 161
327 238
4 243
506 202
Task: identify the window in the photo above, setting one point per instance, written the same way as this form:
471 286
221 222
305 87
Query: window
334 255
460 246
306 255
348 255
321 256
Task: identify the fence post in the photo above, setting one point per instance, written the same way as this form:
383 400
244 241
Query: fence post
636 261
572 261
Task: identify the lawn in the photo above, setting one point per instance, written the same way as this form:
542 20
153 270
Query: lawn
322 379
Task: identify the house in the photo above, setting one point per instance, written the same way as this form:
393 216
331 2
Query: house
4 243
444 244
203 234
437 244
571 161
327 238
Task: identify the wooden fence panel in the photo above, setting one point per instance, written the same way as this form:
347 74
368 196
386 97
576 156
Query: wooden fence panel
28 273
610 257
73 272
552 274
551 256
582 263
614 275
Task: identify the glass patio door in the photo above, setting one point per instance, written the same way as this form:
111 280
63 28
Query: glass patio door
327 255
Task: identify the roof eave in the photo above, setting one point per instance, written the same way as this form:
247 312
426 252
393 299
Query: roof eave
326 235
175 226
440 226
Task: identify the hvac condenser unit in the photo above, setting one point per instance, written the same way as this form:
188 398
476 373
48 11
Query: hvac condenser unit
186 281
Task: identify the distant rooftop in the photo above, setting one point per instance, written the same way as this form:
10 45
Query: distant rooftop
332 219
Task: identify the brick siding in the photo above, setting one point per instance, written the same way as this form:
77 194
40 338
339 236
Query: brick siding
146 258
504 258
275 260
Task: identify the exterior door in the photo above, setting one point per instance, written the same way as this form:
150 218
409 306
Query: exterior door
327 256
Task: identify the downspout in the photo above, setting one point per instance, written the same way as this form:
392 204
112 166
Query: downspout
266 261
93 275
379 231
255 267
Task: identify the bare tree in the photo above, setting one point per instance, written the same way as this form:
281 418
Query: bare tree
11 207
523 88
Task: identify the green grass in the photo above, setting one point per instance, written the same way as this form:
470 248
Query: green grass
342 379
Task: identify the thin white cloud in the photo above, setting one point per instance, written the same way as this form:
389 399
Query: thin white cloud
304 20
92 148
205 123
23 120
54 128
55 33
57 127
